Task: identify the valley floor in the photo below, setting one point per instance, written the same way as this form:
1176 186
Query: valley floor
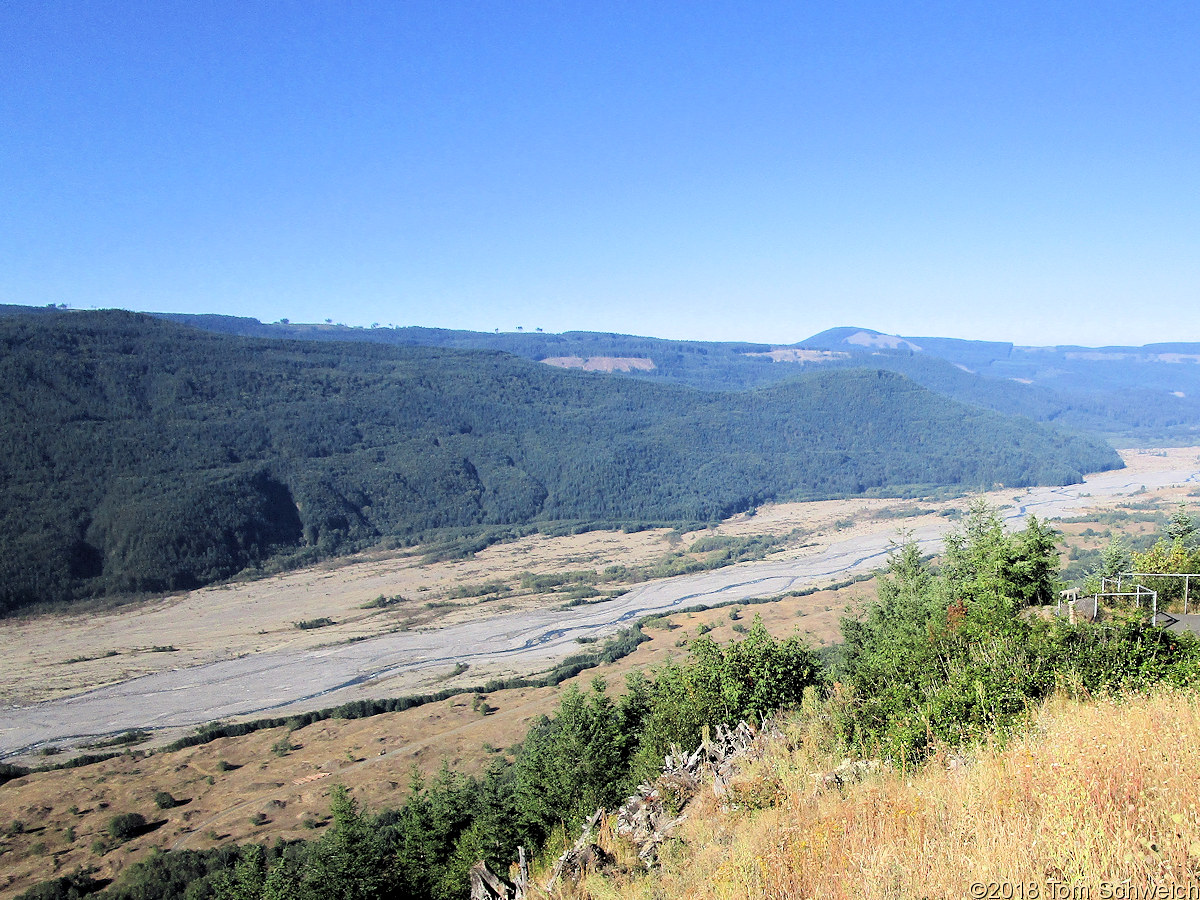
236 651
237 790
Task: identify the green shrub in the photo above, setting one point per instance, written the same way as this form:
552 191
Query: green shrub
8 772
952 657
478 590
383 602
126 826
67 887
283 747
164 800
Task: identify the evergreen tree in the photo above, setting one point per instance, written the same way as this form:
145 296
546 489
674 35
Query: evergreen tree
1182 527
350 861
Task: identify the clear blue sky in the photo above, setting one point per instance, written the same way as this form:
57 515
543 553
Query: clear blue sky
1015 171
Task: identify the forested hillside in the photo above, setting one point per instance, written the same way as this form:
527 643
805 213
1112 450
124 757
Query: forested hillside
710 365
139 455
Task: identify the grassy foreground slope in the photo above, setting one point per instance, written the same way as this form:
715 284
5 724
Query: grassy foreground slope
138 455
1096 799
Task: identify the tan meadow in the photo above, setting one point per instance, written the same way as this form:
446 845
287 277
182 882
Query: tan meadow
1096 799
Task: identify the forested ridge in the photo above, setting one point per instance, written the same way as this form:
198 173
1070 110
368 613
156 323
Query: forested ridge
139 455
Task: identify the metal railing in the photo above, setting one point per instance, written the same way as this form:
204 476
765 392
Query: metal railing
1186 576
1137 594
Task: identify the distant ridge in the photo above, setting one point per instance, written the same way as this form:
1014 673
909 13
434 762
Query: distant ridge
1139 395
955 350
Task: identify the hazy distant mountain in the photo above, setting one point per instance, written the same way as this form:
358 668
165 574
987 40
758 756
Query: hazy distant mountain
1137 392
864 340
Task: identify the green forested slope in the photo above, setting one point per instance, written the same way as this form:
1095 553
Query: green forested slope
138 455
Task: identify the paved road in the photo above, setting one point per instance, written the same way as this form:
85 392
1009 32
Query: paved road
291 681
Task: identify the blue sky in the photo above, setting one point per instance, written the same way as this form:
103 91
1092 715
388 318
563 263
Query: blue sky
750 171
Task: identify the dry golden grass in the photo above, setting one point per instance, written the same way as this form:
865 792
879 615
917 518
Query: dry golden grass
1094 800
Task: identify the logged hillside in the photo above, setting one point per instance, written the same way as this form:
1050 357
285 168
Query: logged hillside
138 455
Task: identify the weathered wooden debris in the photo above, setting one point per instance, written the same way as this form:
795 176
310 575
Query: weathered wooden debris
522 875
649 817
486 885
584 856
